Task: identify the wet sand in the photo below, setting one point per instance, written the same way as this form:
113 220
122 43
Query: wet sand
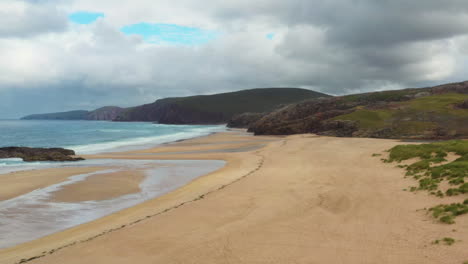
18 183
300 199
101 187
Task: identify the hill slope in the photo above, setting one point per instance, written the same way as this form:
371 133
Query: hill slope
217 108
424 113
103 113
70 115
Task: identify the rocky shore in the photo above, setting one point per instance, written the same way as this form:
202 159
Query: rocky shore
39 154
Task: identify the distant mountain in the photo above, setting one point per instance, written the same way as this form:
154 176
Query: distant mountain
71 115
104 113
216 108
426 113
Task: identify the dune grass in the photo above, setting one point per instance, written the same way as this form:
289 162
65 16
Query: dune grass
446 240
446 213
429 171
430 168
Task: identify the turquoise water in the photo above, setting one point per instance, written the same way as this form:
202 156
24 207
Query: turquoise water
89 137
36 214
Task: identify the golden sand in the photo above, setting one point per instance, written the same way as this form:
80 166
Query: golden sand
18 183
300 199
101 187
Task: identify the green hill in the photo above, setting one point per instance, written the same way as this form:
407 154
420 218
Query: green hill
424 113
216 108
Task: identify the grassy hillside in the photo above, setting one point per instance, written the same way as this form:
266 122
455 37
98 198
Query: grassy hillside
254 100
415 117
434 112
217 108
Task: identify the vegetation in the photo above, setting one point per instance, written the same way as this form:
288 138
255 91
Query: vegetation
439 112
409 118
446 240
446 213
387 96
216 108
368 118
428 169
253 100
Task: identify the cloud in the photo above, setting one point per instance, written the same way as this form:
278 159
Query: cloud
133 55
26 19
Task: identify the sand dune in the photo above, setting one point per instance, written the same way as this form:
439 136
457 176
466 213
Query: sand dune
300 199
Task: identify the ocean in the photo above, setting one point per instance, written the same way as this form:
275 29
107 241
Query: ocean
35 214
90 137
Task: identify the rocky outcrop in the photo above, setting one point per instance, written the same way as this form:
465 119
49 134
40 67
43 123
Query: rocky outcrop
304 117
463 105
388 114
244 120
106 113
38 154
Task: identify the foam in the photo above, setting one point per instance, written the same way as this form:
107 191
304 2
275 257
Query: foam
143 142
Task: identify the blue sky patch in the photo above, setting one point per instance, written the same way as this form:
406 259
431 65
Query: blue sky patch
270 35
170 33
84 17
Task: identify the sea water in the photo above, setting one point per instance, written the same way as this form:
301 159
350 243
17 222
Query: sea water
90 137
34 214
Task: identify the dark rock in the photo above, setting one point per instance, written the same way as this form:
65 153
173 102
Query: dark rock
463 105
39 154
339 128
244 120
304 117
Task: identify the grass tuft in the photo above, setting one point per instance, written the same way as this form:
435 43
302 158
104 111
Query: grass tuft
446 240
429 171
446 213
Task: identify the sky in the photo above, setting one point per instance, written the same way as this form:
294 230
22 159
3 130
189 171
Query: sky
60 55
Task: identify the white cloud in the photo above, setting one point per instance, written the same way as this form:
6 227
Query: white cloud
24 19
371 46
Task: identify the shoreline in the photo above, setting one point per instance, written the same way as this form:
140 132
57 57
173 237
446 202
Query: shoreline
106 222
297 198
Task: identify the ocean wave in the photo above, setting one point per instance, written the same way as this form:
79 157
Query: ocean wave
143 142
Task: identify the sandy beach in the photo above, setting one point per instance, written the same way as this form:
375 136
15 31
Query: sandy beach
296 199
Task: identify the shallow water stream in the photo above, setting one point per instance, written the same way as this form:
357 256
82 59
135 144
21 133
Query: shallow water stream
34 215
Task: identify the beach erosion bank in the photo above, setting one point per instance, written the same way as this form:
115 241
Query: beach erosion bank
300 199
